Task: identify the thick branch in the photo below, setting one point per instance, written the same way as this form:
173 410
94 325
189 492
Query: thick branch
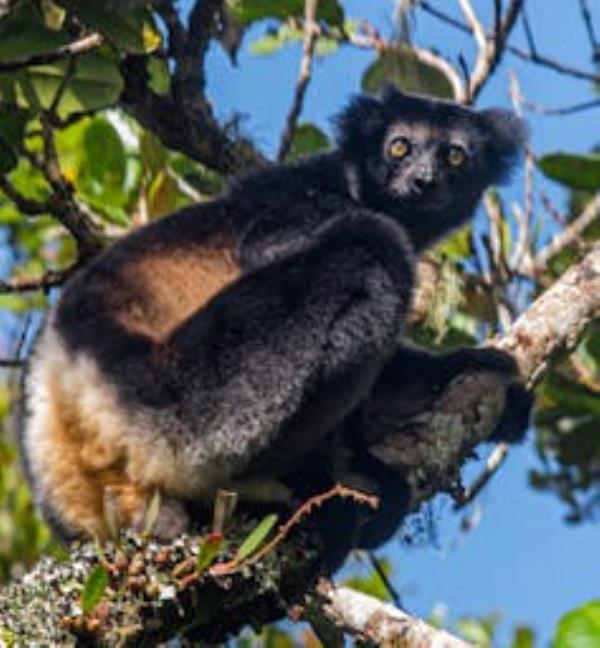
381 624
431 444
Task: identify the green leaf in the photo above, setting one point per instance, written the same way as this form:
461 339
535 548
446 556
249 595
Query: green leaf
153 153
400 66
94 589
247 11
104 154
24 33
579 628
209 550
523 638
163 194
574 171
95 83
307 139
158 76
256 538
268 44
458 246
129 28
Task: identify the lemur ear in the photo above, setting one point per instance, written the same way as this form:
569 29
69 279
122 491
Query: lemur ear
505 136
391 93
359 126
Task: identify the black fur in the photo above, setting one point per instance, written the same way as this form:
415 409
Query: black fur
259 381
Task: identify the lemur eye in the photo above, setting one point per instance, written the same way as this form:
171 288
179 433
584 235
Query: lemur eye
398 148
456 155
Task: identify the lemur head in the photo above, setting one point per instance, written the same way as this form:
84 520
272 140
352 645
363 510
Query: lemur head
424 161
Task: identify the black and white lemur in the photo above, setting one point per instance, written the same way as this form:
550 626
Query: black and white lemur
226 345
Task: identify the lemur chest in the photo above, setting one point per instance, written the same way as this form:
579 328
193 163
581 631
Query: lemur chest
159 291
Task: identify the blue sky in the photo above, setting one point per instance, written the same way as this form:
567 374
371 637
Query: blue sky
521 560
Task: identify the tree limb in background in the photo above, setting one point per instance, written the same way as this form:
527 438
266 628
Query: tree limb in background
490 50
531 56
565 237
76 48
311 34
183 119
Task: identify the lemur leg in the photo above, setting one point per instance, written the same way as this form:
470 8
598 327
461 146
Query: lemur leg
284 353
413 379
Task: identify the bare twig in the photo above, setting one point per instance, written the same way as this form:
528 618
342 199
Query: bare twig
475 25
387 583
375 42
565 238
50 279
76 48
311 33
562 110
490 50
586 14
533 57
492 465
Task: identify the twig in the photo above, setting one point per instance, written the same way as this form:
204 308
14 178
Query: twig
566 237
370 620
474 24
50 279
533 57
563 110
76 48
24 204
492 465
375 42
311 33
447 69
339 490
490 50
586 14
387 583
63 204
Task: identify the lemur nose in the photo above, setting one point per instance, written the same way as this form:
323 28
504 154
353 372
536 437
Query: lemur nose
424 181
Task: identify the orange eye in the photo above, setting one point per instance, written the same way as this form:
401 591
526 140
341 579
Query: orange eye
456 156
398 148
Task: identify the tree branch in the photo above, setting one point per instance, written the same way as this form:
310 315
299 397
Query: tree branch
565 237
167 596
368 619
531 56
467 411
183 119
76 48
311 34
490 49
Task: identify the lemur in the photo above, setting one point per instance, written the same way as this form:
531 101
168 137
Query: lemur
223 345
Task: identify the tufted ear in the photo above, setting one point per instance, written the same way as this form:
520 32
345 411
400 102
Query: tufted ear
391 94
359 126
505 135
